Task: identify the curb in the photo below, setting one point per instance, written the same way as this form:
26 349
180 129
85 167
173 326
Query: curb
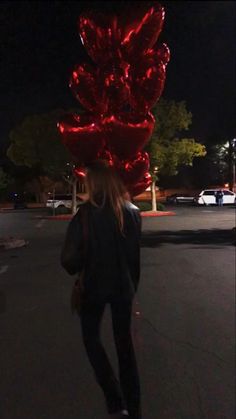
157 213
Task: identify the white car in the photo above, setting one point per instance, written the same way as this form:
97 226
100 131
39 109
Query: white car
180 198
208 197
61 202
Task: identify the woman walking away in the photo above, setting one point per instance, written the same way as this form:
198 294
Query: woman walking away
103 246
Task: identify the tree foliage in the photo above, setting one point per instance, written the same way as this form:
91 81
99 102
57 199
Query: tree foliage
225 159
36 144
166 149
4 180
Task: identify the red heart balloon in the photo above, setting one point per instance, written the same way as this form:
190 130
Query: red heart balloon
141 186
148 81
83 84
80 173
106 155
100 35
83 136
144 34
163 53
114 83
127 133
132 171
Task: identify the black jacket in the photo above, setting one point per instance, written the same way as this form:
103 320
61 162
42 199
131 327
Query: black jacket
110 260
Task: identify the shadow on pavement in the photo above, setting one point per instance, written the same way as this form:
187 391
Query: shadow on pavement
215 237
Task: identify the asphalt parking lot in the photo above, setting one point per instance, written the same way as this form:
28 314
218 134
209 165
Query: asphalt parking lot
183 321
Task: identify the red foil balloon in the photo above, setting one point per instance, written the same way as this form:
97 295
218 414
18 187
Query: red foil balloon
132 171
127 133
148 80
163 53
114 82
80 173
83 84
83 136
106 155
101 36
141 186
144 34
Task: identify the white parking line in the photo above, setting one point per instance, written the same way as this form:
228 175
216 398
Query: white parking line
40 224
3 269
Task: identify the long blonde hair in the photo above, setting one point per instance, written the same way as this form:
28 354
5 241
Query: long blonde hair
105 187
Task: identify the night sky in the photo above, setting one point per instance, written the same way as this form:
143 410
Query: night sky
40 45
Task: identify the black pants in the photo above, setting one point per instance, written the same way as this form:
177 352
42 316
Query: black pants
125 395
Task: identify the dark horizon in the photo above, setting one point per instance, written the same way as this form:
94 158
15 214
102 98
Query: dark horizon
40 45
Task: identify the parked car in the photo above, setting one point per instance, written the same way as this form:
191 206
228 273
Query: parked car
208 197
178 198
61 202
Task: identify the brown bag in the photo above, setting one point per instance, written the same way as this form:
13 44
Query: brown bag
77 294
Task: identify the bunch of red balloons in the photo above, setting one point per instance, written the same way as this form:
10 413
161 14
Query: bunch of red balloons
125 81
